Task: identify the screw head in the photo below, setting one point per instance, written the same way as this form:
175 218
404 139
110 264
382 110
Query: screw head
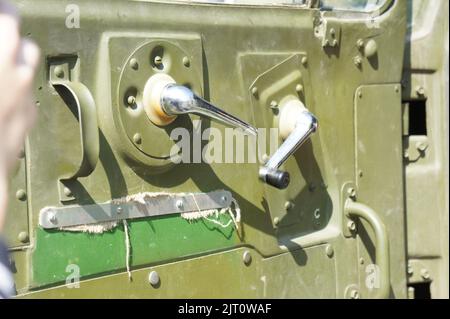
357 61
58 71
131 100
134 64
23 237
410 270
67 191
21 195
425 274
52 218
329 250
186 61
361 261
420 91
305 61
351 193
158 60
153 278
119 210
255 91
273 105
179 203
354 294
276 221
351 225
247 258
360 43
317 214
223 199
137 138
288 205
421 147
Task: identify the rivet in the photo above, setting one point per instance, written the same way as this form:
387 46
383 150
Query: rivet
131 100
410 270
351 192
422 146
186 61
276 221
21 195
326 43
255 91
329 251
397 89
406 155
333 32
360 43
317 214
425 274
58 71
134 64
23 237
247 258
223 199
370 49
305 61
67 191
273 105
179 203
137 138
153 278
288 205
354 294
52 218
119 210
351 225
357 61
334 43
420 91
299 88
360 173
158 60
361 261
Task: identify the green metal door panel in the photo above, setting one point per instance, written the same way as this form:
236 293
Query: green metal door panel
152 242
378 112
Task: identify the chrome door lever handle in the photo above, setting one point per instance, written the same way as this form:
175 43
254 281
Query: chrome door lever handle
164 100
296 125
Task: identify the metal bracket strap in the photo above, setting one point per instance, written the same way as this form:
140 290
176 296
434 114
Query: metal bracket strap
140 206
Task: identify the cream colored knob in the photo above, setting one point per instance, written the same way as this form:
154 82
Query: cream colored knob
290 113
151 99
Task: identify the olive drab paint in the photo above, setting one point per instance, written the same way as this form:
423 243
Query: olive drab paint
364 211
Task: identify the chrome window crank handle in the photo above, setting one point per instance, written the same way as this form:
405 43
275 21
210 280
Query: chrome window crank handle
164 100
296 125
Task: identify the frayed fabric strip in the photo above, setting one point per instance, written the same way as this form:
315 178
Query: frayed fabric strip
234 212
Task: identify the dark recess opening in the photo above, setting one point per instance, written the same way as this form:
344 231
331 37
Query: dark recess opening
422 290
417 117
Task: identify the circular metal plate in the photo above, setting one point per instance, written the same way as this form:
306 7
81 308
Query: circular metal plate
157 56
